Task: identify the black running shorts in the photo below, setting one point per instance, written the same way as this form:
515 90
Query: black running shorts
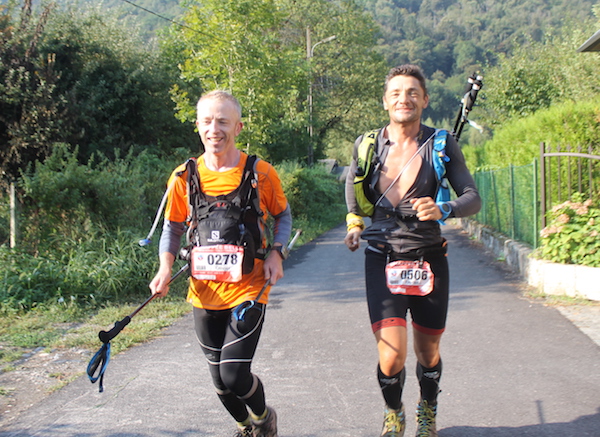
428 313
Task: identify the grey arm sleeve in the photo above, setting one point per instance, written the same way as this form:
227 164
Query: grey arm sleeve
170 239
468 201
283 226
351 203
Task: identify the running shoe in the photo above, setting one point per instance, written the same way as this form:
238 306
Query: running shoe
244 432
266 427
426 420
394 422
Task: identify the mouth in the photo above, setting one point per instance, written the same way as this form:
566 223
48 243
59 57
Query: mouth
214 140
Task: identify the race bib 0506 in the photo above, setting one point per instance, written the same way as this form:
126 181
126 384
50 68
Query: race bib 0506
412 278
222 262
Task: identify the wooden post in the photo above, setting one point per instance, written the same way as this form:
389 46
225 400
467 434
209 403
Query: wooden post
13 215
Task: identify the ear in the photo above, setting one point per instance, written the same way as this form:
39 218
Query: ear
385 106
239 128
426 101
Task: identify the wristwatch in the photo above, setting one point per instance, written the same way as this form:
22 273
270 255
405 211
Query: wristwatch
445 209
282 250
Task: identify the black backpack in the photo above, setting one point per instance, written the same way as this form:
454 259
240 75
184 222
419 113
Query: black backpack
232 218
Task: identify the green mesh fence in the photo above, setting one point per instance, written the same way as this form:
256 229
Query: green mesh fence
510 202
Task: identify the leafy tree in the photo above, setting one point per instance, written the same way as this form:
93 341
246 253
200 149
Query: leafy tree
29 106
257 50
347 73
117 90
540 74
234 45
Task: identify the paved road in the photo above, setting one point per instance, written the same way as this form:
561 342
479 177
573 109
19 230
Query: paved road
512 367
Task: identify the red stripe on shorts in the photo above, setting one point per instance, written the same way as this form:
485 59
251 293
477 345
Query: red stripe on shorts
386 323
428 331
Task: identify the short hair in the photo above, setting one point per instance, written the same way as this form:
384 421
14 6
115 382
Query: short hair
406 70
223 96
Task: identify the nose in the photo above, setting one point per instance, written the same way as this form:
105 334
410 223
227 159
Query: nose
403 96
213 126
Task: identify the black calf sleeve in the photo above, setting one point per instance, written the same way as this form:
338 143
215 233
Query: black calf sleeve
235 406
391 387
429 380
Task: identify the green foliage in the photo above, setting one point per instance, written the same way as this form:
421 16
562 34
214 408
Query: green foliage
539 74
238 49
571 236
65 199
101 268
257 50
116 89
518 142
316 197
29 104
80 225
454 38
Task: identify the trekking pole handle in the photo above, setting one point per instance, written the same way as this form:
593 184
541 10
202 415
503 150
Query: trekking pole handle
107 336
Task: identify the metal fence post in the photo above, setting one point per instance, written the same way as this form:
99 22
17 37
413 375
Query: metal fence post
543 184
536 217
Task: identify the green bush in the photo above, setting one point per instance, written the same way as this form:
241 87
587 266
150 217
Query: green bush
518 142
572 233
315 196
80 227
103 267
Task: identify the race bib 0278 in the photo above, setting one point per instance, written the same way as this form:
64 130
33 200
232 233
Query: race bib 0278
412 278
221 262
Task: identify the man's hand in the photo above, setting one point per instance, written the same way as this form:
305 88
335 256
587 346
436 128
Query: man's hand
159 286
273 267
426 209
352 238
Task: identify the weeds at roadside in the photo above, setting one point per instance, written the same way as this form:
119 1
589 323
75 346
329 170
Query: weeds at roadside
21 335
557 300
4 391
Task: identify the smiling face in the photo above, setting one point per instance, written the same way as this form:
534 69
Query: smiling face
405 99
218 122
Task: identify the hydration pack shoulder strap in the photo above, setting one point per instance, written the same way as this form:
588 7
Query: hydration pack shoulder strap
366 159
439 164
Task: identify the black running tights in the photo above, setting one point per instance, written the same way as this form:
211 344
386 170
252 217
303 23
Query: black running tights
229 354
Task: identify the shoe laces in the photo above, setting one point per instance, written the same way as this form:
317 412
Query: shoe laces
425 418
394 420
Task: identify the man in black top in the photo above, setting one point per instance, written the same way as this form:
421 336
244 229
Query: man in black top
405 260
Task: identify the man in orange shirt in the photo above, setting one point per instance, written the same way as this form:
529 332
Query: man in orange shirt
228 351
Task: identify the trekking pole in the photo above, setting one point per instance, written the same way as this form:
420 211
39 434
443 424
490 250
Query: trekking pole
466 104
99 362
146 241
246 312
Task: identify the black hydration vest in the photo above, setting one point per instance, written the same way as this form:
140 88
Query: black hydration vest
232 218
